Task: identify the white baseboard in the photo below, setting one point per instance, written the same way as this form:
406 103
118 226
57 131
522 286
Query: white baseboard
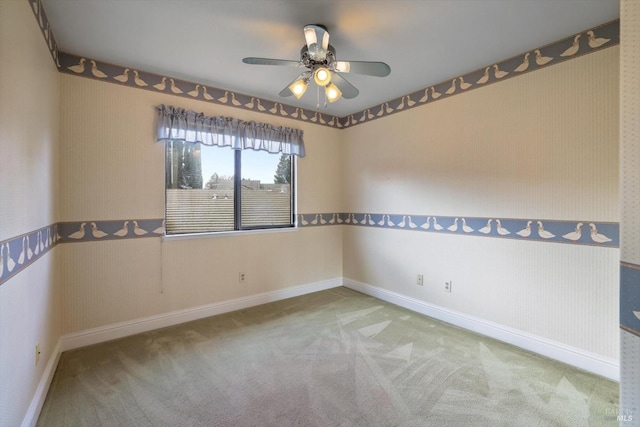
603 366
31 417
145 324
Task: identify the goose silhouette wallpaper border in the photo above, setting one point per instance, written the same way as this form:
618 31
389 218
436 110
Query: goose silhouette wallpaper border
629 295
45 29
590 233
17 253
91 231
576 45
98 70
588 41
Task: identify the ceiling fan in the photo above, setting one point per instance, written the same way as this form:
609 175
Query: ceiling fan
319 57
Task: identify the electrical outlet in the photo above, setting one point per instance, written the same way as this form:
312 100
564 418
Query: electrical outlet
447 286
37 354
420 280
241 277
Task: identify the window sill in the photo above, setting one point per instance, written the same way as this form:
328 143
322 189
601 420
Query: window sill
235 233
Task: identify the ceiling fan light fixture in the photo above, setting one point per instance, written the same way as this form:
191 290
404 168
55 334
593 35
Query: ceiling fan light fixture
322 76
332 92
318 57
298 88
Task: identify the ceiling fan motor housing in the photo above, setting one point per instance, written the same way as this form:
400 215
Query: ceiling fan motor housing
312 63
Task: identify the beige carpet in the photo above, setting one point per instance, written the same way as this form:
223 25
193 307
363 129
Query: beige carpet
332 358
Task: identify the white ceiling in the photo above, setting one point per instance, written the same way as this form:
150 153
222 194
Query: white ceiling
424 41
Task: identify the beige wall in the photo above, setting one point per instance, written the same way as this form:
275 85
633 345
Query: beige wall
630 205
29 177
112 168
540 146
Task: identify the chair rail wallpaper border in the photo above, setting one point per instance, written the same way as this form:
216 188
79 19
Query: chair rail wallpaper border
600 233
600 365
18 253
629 296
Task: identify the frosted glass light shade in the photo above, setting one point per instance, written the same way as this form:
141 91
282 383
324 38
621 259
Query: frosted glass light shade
322 76
298 88
332 92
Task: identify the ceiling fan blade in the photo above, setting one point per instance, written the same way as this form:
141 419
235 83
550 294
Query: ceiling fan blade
286 91
317 38
348 90
270 61
378 69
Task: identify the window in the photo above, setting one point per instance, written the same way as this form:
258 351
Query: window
225 174
212 189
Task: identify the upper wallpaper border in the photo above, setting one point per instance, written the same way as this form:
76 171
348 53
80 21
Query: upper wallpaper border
588 41
45 29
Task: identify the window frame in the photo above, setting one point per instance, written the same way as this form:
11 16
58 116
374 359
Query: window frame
237 194
237 202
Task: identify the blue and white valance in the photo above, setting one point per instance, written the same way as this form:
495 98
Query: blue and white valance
177 124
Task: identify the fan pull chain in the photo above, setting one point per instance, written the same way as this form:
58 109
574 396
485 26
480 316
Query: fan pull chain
318 98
